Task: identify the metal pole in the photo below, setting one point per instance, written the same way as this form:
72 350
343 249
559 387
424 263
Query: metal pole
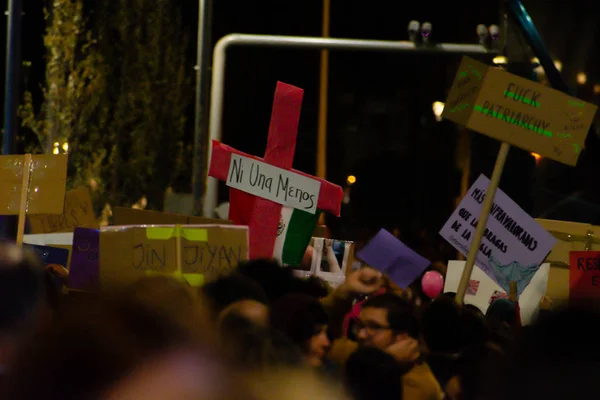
219 61
202 83
323 99
13 64
11 95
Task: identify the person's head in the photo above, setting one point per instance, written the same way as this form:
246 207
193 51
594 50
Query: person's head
254 311
386 319
501 319
303 320
248 346
373 374
277 281
115 347
475 368
230 289
22 298
441 326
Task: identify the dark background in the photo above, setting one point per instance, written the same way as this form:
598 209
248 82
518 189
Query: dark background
380 124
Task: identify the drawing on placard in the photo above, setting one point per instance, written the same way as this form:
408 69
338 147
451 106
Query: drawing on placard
513 272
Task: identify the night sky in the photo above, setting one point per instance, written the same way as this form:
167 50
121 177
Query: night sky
381 127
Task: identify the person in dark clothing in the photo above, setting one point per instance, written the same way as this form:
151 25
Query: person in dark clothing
304 321
22 299
373 374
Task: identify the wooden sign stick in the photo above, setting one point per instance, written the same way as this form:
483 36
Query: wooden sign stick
23 201
486 207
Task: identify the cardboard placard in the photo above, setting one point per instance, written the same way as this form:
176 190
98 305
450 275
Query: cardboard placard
518 111
78 212
47 182
128 253
571 236
132 216
514 244
482 288
584 275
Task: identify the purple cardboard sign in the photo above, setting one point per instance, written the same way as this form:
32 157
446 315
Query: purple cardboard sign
392 257
513 244
85 261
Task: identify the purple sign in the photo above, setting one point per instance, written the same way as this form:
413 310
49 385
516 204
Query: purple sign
392 257
85 261
513 244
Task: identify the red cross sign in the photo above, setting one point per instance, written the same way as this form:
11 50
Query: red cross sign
261 214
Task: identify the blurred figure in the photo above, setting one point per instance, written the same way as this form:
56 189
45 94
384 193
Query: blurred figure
447 330
372 374
120 347
249 346
278 281
252 310
234 291
475 370
293 384
23 305
557 359
303 319
502 319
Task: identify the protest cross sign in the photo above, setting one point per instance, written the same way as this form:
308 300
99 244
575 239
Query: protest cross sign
277 203
389 255
584 276
519 111
513 245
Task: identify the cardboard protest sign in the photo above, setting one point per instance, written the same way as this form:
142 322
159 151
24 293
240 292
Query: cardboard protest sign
45 193
194 253
584 276
570 236
132 216
392 257
85 260
78 212
513 245
483 288
261 189
518 111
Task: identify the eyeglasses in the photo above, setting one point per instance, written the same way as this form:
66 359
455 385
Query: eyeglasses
370 327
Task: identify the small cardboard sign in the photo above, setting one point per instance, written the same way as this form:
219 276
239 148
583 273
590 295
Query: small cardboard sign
47 182
389 255
132 216
78 212
276 184
128 253
584 275
518 111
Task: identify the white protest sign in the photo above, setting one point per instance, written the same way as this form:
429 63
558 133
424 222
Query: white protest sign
513 244
529 300
272 183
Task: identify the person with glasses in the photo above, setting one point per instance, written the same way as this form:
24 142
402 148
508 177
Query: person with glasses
388 322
